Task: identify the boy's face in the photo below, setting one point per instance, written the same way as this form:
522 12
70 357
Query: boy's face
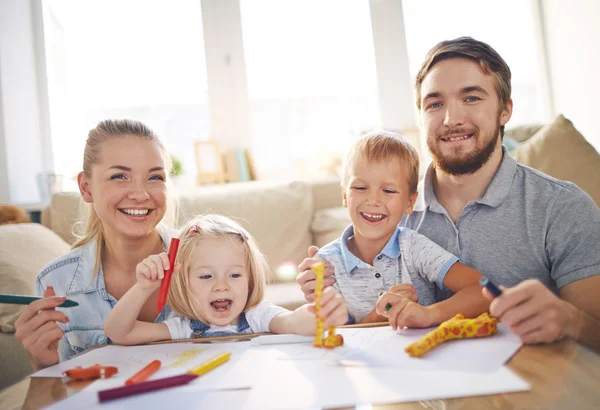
377 197
219 278
461 115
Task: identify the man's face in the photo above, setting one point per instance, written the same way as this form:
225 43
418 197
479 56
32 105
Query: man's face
461 115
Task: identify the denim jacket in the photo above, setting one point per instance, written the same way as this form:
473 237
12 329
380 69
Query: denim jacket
71 275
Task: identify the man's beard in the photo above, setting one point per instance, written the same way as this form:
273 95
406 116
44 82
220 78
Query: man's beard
468 164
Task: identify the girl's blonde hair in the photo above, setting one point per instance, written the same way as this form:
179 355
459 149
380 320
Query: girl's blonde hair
212 226
104 131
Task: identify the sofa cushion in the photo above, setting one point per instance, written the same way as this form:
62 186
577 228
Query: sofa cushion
25 250
63 215
277 214
559 150
328 225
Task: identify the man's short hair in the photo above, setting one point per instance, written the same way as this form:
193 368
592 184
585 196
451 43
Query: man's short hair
381 146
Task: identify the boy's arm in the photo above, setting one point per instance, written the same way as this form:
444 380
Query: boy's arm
122 325
463 281
402 289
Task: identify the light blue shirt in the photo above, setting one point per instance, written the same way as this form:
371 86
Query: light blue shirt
527 225
71 275
408 257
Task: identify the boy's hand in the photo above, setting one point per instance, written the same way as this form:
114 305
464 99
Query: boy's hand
151 271
403 312
405 289
333 308
306 277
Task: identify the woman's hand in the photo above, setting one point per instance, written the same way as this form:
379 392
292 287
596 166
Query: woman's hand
37 329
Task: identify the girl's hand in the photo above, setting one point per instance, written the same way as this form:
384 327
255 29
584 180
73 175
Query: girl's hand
407 290
37 329
403 312
333 308
151 271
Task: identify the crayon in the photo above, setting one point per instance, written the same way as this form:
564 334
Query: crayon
166 281
25 300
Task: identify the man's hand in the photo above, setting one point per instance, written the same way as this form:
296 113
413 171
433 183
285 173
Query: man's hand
533 312
306 277
402 311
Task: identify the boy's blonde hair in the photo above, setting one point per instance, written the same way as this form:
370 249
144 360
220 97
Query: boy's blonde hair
212 226
104 131
381 146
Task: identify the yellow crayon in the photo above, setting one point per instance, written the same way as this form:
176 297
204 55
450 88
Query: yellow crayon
210 364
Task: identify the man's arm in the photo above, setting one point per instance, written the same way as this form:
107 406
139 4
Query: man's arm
536 315
582 299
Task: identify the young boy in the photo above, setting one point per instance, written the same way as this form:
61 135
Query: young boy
378 265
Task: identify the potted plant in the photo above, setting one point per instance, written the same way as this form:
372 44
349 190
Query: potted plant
176 170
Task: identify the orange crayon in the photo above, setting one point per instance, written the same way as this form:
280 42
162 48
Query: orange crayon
145 373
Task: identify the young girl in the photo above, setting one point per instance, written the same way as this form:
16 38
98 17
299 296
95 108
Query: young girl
216 289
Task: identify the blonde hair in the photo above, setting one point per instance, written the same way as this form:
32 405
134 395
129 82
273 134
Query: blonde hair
481 53
212 226
104 131
380 146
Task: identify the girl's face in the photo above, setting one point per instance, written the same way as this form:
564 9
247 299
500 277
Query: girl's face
127 187
219 278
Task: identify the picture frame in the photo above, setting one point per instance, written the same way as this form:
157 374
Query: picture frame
209 163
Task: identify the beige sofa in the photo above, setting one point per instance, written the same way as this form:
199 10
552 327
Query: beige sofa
285 217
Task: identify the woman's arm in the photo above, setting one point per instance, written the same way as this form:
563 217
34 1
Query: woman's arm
122 325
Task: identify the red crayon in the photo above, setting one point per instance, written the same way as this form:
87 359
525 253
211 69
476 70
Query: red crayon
164 285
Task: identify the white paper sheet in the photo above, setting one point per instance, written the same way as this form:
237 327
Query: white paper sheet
299 384
235 377
382 347
298 376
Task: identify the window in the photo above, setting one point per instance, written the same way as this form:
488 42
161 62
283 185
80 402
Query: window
135 59
311 77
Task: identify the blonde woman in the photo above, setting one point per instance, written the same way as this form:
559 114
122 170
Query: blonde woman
124 186
217 289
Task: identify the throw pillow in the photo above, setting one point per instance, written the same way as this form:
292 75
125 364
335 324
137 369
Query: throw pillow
560 151
328 225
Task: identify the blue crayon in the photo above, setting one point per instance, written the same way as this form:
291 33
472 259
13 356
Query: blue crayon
491 287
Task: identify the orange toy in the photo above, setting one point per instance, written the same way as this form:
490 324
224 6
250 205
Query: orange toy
92 372
332 340
456 328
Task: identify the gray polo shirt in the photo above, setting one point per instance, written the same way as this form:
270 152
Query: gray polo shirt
526 225
407 257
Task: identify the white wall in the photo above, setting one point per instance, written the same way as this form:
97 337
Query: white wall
24 132
573 45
